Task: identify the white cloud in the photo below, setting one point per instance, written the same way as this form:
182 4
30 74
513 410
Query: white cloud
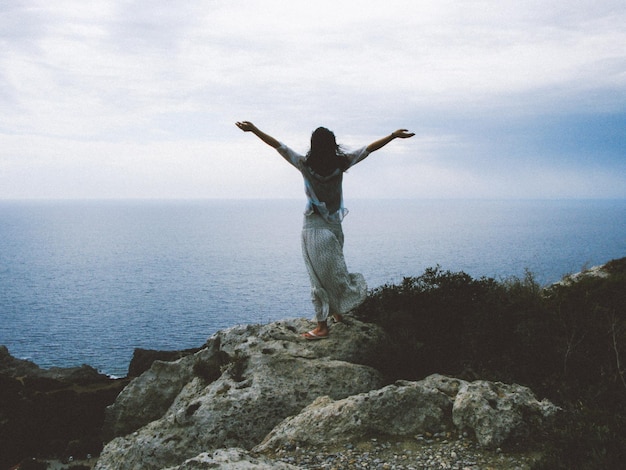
160 79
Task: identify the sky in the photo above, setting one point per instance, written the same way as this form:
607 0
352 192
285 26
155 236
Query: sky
118 99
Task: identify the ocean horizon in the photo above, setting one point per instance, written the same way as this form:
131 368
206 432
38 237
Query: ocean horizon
87 282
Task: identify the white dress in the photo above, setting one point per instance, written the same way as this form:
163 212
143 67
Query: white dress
333 288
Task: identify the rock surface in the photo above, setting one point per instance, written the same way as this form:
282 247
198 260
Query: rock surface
263 387
268 372
422 452
232 459
144 358
148 397
405 409
493 412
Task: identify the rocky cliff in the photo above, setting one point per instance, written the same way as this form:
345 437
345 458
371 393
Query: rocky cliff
54 411
260 396
257 388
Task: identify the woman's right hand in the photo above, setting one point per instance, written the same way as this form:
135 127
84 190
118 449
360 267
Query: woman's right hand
247 126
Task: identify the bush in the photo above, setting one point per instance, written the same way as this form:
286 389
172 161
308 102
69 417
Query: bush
449 323
567 342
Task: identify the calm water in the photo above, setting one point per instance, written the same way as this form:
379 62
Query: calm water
87 282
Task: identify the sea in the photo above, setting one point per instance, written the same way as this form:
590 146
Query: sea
87 282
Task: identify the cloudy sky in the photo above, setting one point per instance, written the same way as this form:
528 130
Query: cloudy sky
138 99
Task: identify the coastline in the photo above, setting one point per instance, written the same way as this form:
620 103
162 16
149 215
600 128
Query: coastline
248 356
92 282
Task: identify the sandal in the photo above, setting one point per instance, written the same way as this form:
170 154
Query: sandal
312 335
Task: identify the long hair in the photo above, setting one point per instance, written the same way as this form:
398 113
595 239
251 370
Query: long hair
325 156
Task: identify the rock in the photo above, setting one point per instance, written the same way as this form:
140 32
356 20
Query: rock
603 271
493 411
496 412
232 459
144 358
350 341
29 371
403 409
150 395
263 387
54 411
271 373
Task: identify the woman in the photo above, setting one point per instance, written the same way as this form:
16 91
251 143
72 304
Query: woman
334 291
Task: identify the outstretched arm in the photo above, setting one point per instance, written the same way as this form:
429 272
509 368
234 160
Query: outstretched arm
399 134
247 126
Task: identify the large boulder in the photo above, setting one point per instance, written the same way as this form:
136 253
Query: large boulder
493 412
403 409
266 373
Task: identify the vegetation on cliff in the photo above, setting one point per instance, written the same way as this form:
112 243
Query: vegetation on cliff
567 342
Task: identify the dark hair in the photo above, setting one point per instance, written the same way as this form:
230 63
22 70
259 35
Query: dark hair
325 156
